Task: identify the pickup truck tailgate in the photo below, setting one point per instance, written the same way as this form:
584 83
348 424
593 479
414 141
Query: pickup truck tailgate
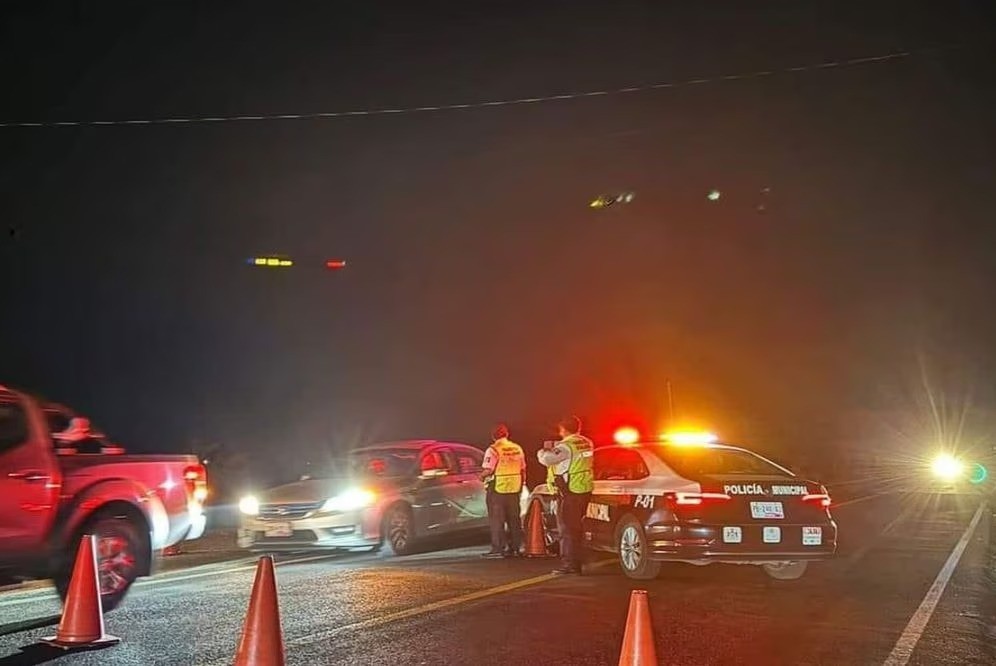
173 487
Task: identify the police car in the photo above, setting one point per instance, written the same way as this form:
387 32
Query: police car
689 498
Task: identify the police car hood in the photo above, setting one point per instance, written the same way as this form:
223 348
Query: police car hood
314 490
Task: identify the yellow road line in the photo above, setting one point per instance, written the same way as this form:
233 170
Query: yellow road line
421 610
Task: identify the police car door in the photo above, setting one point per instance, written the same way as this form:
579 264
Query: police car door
620 480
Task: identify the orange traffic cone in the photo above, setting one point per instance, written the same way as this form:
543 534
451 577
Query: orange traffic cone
82 624
535 545
638 641
262 641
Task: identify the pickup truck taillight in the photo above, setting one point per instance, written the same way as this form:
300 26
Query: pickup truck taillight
195 479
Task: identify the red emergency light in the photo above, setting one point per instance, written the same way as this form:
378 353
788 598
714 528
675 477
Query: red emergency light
335 264
627 436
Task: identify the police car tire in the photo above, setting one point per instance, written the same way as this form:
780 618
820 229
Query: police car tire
646 568
786 570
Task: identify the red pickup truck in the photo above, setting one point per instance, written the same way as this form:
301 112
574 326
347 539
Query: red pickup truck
136 505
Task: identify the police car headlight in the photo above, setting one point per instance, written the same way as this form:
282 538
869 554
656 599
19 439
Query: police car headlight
350 500
249 505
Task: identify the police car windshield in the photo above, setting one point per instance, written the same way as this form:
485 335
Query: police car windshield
383 462
693 462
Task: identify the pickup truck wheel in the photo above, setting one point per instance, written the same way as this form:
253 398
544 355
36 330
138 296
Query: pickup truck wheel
121 554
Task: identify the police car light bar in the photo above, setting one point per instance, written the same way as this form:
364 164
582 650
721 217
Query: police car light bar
689 438
627 436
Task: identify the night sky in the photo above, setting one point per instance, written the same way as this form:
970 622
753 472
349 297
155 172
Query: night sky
479 286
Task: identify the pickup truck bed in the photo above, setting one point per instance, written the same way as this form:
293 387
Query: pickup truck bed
135 505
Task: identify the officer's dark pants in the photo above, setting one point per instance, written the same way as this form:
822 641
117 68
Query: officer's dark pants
571 508
503 511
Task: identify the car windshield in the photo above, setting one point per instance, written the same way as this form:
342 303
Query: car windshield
383 462
693 462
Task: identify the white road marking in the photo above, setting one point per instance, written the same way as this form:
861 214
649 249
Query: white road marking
903 650
856 500
35 595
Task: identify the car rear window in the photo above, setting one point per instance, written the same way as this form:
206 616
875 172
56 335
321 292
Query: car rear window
692 462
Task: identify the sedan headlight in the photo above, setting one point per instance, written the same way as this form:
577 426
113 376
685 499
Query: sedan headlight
350 500
249 505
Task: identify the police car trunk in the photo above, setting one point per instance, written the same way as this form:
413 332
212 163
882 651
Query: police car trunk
702 504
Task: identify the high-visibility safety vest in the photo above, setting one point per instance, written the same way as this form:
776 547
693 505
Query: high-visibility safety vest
508 471
580 474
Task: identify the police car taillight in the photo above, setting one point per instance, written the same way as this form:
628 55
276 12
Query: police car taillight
693 499
820 499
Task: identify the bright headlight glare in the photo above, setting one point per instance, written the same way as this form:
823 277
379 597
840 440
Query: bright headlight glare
350 500
249 505
947 466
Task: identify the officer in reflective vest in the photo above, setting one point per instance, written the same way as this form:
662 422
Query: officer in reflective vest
504 472
574 487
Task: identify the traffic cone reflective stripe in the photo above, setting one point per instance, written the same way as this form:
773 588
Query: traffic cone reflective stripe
535 545
82 623
262 642
638 641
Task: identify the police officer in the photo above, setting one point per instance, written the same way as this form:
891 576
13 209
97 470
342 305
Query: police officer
504 472
574 486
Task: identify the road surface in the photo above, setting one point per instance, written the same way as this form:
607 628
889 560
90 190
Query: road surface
452 607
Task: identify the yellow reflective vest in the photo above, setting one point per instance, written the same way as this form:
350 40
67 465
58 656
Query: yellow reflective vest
580 475
508 472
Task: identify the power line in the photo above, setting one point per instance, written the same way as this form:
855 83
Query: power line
462 106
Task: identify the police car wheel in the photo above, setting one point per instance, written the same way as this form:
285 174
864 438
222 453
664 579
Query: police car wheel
786 570
634 551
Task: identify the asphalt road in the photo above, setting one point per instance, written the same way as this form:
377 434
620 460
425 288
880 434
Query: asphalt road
451 607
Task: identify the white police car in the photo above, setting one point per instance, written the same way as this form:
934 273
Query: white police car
689 498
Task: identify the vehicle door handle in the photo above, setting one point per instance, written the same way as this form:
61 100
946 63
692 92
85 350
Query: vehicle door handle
29 476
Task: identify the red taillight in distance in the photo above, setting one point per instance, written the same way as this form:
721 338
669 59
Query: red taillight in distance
195 479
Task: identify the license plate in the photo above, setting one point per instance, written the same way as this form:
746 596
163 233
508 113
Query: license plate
732 535
812 536
766 510
772 535
278 530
